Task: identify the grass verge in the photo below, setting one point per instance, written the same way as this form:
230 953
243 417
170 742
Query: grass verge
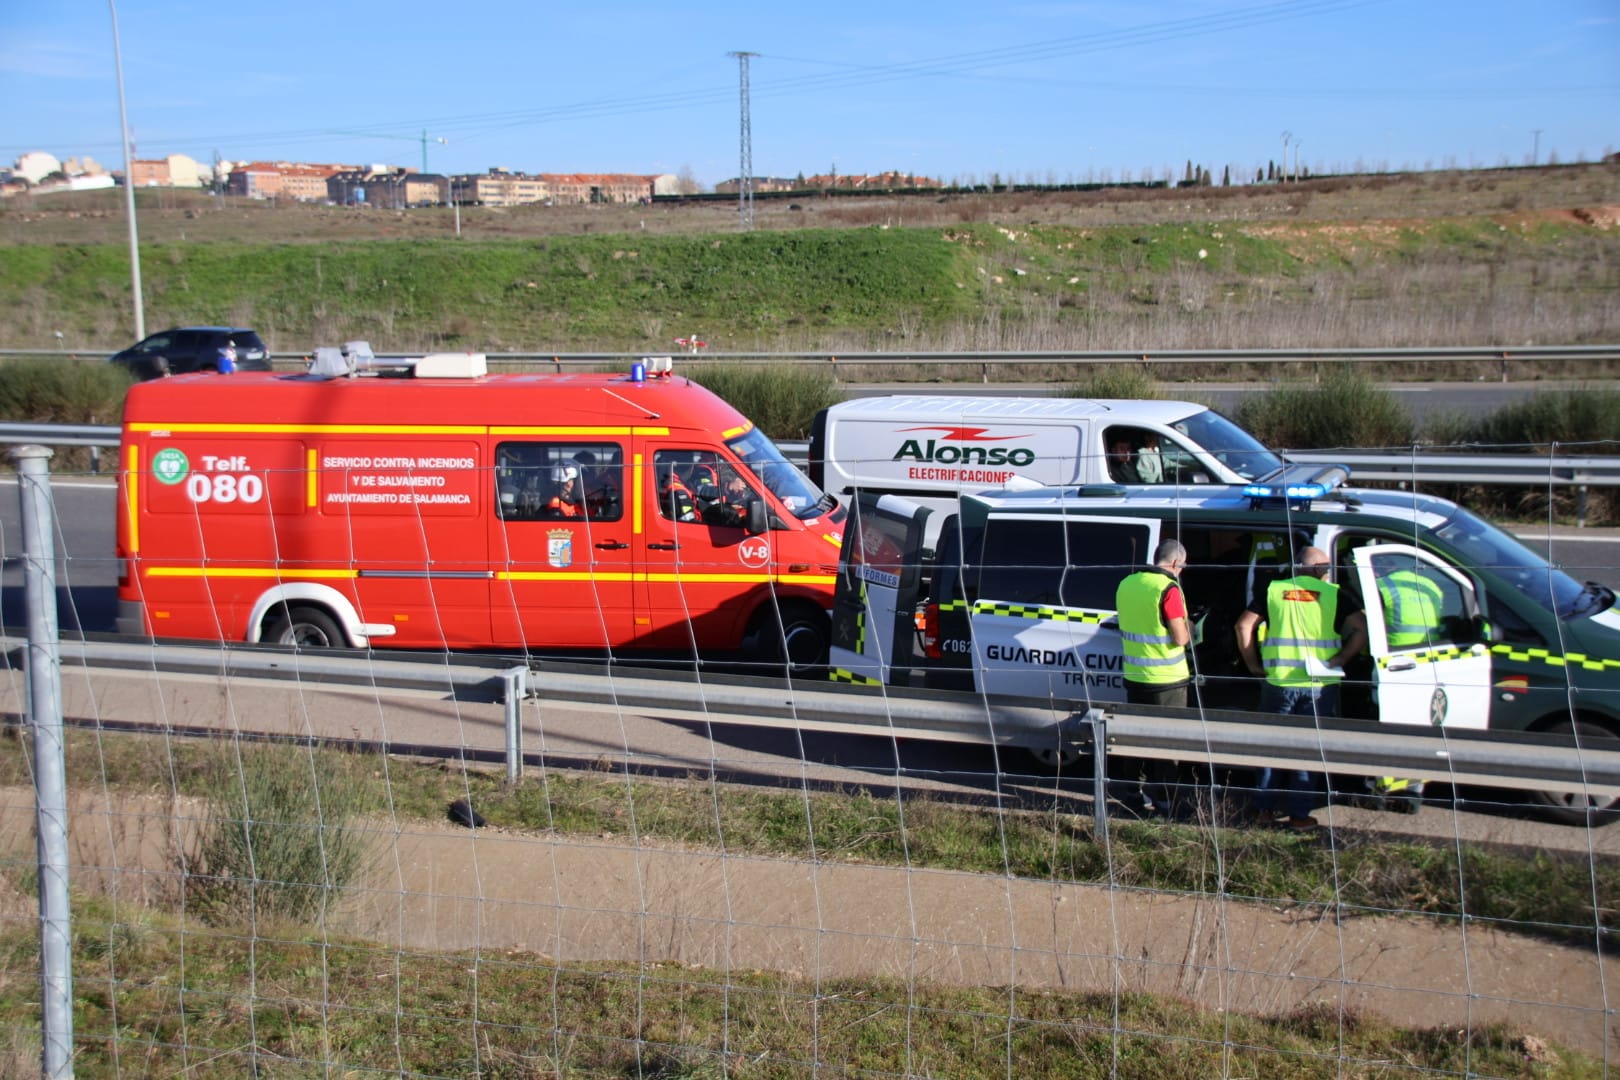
282 999
158 998
1537 892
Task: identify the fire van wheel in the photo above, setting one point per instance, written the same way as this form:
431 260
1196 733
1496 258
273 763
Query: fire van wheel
305 628
1572 808
794 637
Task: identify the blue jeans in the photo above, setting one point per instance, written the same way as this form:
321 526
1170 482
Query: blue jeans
1293 701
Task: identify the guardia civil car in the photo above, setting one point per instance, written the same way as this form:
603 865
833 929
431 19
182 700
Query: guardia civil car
1018 599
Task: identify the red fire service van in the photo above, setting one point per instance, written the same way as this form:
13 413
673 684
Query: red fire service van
428 504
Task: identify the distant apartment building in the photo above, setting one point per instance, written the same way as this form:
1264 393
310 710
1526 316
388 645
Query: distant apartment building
599 187
35 165
176 170
282 180
255 180
761 183
307 183
500 187
392 188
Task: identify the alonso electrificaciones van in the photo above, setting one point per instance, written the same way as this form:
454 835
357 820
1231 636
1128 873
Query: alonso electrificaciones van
1020 600
428 504
927 447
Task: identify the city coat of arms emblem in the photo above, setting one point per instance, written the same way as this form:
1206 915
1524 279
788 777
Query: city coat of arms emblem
560 548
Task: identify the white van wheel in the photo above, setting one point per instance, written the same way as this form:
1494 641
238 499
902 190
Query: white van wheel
305 628
1573 808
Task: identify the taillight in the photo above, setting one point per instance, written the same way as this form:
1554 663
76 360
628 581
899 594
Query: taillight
926 619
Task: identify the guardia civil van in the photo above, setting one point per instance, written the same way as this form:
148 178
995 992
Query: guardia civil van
1020 600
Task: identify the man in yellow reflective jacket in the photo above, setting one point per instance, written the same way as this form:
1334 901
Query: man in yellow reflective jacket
1155 635
1312 629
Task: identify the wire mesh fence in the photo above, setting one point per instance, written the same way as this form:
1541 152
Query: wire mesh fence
294 877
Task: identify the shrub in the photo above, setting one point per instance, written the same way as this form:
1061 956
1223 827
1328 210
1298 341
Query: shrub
1114 381
1344 410
781 400
1585 418
276 841
65 391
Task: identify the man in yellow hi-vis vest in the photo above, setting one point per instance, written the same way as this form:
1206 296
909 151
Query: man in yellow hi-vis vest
1312 629
1155 634
1412 607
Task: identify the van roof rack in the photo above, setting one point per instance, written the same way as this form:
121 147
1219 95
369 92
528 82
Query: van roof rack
356 358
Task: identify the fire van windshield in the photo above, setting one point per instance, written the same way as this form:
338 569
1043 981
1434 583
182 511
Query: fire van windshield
802 498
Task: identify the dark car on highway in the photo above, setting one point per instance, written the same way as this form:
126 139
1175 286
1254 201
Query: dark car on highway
195 348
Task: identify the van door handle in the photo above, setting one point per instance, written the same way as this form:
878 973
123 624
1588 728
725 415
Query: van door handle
670 546
1401 663
613 545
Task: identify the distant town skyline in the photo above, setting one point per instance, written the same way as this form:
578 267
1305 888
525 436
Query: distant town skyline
1054 91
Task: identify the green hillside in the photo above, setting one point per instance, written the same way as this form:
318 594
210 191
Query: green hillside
1221 268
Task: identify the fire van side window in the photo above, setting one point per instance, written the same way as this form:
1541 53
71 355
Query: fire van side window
559 481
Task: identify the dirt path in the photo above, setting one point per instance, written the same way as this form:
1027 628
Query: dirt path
577 900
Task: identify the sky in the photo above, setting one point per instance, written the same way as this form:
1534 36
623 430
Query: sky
1048 91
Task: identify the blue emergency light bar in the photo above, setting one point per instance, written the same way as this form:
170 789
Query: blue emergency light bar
1297 485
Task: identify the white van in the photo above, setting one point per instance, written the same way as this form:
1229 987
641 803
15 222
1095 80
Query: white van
935 448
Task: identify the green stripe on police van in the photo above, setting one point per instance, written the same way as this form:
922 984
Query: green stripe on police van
1039 611
840 675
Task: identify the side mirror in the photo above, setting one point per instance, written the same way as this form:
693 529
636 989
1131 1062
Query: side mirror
758 519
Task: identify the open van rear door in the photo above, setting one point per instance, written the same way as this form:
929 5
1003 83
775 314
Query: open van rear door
879 581
1426 638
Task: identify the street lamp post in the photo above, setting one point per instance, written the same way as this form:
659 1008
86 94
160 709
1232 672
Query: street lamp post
129 183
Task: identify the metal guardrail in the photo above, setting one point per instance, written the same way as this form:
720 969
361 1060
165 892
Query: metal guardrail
986 361
1420 467
1483 468
1365 748
60 434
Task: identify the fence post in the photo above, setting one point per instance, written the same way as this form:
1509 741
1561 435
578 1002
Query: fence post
1099 767
514 686
50 770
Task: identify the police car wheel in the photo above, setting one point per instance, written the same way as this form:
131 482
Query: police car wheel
305 628
1051 759
1572 808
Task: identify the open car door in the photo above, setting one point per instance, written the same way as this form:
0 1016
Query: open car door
874 605
1426 637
